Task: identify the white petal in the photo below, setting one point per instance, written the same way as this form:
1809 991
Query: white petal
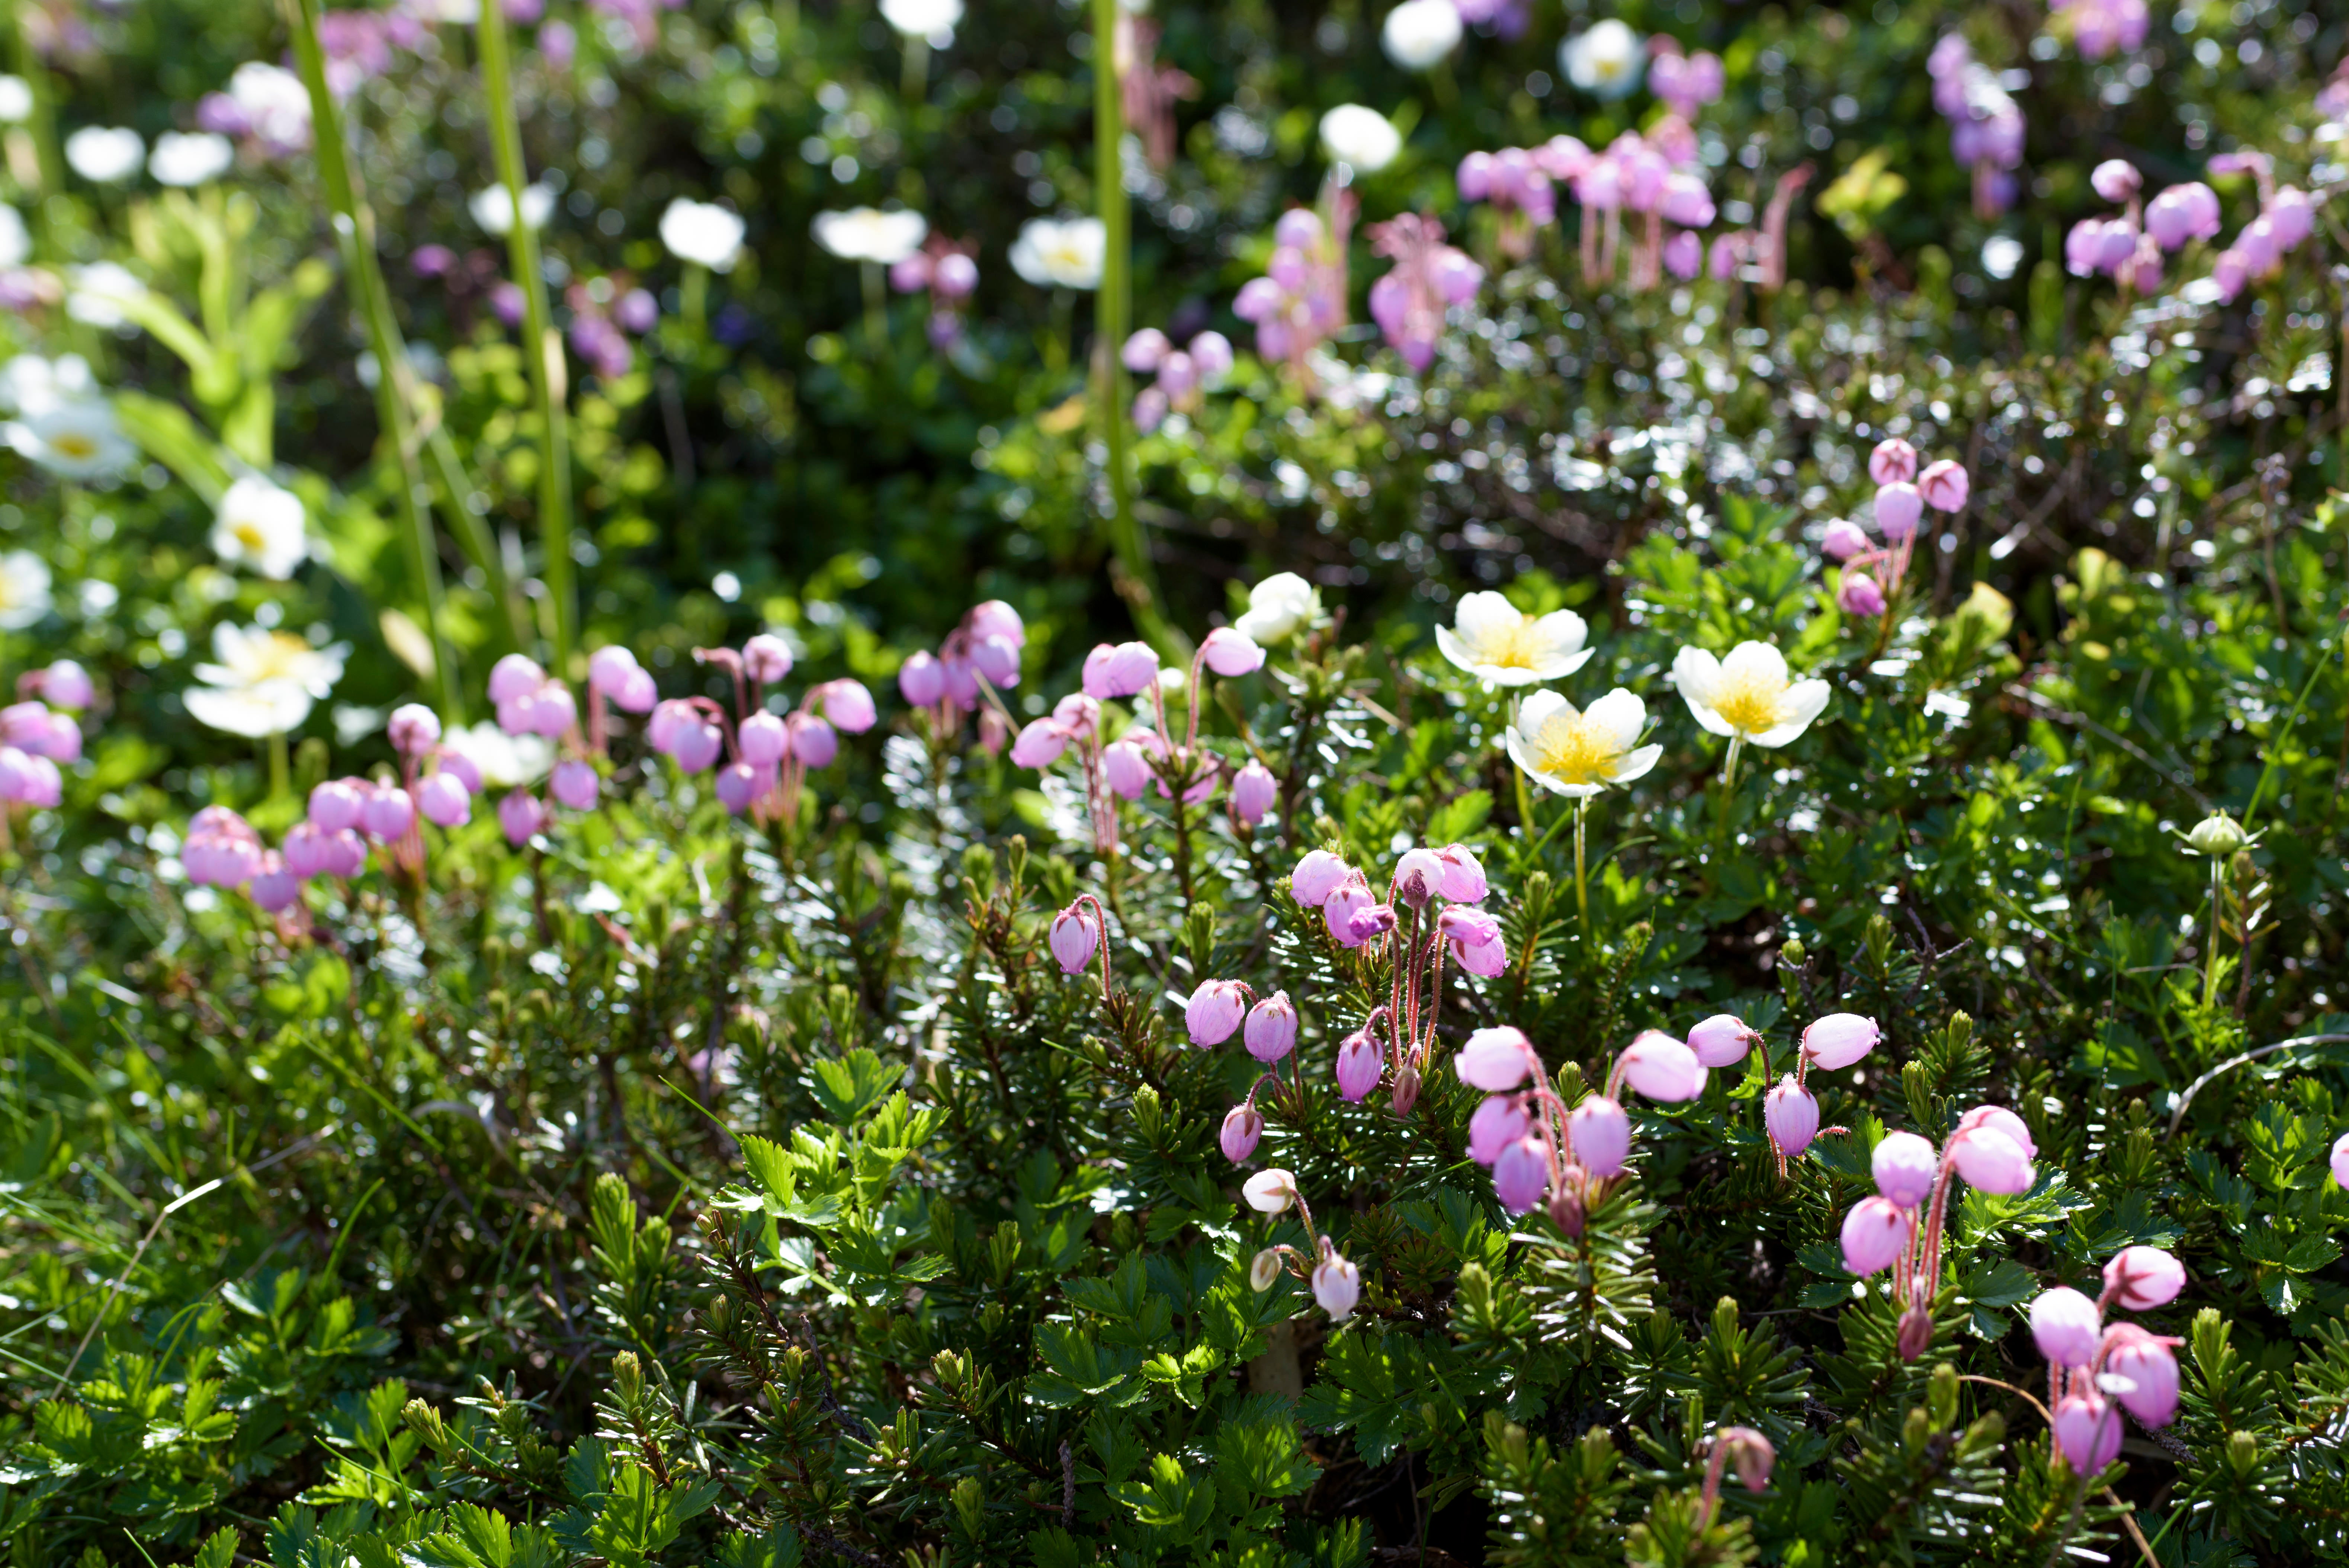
1557 666
1757 661
1539 709
1487 621
1636 763
1697 676
1559 633
1620 716
1805 701
1447 642
1523 757
1509 674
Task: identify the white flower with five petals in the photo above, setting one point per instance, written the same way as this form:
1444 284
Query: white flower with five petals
1580 754
1494 640
1749 696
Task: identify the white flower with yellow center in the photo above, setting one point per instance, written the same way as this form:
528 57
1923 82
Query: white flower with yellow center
271 707
1494 640
1750 696
1604 59
253 656
870 234
260 526
702 233
1580 754
23 589
1061 255
1361 137
77 438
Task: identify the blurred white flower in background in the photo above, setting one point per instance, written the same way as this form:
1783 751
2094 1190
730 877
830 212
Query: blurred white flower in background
105 155
870 234
1419 33
272 104
185 160
1604 59
2000 255
264 683
23 589
16 242
492 207
260 526
934 20
15 100
703 234
32 385
1278 608
73 441
1360 138
506 761
1056 253
101 293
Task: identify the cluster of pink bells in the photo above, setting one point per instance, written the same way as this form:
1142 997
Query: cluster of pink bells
1902 494
35 736
945 270
2130 249
2094 1371
1985 123
1183 374
768 755
1654 176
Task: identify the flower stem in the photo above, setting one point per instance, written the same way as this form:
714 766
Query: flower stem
280 774
1581 888
354 226
541 345
1728 785
2210 960
876 308
1112 315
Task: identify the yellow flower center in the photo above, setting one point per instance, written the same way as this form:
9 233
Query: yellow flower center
1576 750
74 445
1749 705
1510 649
248 536
275 656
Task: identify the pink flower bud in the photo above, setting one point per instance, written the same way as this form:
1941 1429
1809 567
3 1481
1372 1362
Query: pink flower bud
1270 1192
444 800
1487 961
1859 595
1790 1117
997 659
1253 789
521 816
1075 935
1945 486
2341 1160
1339 910
1120 670
2067 1326
1337 1285
575 783
551 711
637 693
273 886
1875 1234
922 680
1040 743
1662 1068
1999 1119
1600 1132
1898 508
1990 1160
67 685
309 852
2143 1278
847 705
1369 922
1359 1067
413 729
1230 653
2087 1432
610 668
1318 876
1839 1039
1721 1040
812 742
740 784
1499 1122
1211 354
1271 1030
389 814
336 804
695 744
1915 1334
1497 1060
2182 212
1178 377
766 658
1213 1013
1144 350
1894 462
1125 766
2144 1363
1242 1128
2115 180
514 677
1464 875
18 779
762 738
1521 1174
1843 540
1418 876
1905 1166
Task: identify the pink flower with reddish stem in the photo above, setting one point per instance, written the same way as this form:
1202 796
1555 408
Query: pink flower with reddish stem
2141 1278
1790 1117
1875 1235
1500 1120
1497 1060
1521 1174
1661 1067
1904 1167
2087 1432
1076 933
1600 1131
1359 1064
1243 1126
1317 876
2146 1369
1215 1012
1721 1040
2066 1326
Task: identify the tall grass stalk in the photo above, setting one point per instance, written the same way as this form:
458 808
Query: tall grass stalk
542 346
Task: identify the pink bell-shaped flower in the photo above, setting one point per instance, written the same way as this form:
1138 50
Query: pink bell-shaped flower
1839 1039
2142 1278
2145 1369
1318 876
1790 1117
1875 1234
1722 1040
1215 1010
1499 1122
1521 1174
1662 1068
2066 1326
1905 1166
2087 1432
1074 937
1359 1067
1242 1128
1270 1033
1497 1060
1600 1132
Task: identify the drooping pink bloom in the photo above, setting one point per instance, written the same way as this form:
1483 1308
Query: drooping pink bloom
2066 1326
1843 540
766 658
1370 922
1338 913
413 729
1418 876
1040 743
1999 1119
1337 1285
2182 213
1600 1131
2142 1278
1839 1039
1721 1040
762 738
1499 1121
66 684
1318 876
1429 278
1899 508
1359 1067
1521 1174
1076 933
741 783
575 783
1254 790
336 804
521 816
1121 670
1945 486
389 814
2087 1432
1464 875
273 886
1497 1060
812 741
1242 1128
1215 1010
922 680
1125 766
1790 1117
514 677
221 850
1894 462
444 800
1990 1160
1904 1167
1476 940
1270 1033
1875 1235
1859 595
2145 1364
1662 1068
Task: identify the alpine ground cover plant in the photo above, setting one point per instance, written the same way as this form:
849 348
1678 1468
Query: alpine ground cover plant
1452 782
